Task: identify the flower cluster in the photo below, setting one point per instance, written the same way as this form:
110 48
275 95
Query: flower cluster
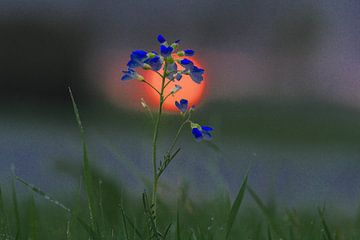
169 54
200 132
171 64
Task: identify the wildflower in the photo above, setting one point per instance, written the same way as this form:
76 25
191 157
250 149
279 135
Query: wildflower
182 105
154 62
186 63
171 70
176 89
201 132
187 52
178 76
137 59
131 74
166 50
196 74
141 58
161 39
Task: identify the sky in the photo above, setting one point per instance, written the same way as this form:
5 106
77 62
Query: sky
250 49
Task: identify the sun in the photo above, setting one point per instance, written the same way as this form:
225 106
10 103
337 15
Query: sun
191 91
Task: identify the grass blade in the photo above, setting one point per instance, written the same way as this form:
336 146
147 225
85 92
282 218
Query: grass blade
128 220
269 233
16 209
235 207
3 218
266 212
327 233
42 194
33 220
178 236
86 168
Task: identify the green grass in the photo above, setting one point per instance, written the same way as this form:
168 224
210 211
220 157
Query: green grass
186 219
102 209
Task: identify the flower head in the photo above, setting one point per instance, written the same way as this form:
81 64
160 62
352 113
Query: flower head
145 60
201 132
161 39
137 59
131 74
154 62
166 50
176 89
186 63
182 105
196 74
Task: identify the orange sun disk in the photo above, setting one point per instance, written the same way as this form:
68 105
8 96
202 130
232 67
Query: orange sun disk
191 91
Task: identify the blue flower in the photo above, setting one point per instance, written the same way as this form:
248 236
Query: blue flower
178 76
171 70
183 105
186 63
176 89
131 74
166 51
201 132
161 39
155 62
196 74
189 52
137 59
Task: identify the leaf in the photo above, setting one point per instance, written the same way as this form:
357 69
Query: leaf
16 208
178 236
235 207
42 194
327 234
86 168
128 220
266 212
3 218
269 233
151 218
33 220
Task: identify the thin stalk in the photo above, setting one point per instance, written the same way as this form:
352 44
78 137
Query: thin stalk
151 86
155 137
187 120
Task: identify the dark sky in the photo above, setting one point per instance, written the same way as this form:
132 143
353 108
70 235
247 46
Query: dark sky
295 49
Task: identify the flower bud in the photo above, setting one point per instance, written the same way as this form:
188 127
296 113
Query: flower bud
146 66
181 53
140 78
151 55
195 125
176 89
174 46
143 103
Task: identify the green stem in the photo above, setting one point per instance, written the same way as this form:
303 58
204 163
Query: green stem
155 137
178 133
151 86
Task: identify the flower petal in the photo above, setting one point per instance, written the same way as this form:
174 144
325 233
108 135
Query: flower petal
186 63
161 39
189 52
206 128
166 51
197 134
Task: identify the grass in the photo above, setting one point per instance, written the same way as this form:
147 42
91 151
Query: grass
102 209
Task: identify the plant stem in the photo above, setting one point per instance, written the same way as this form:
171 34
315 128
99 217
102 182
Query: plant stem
178 134
155 137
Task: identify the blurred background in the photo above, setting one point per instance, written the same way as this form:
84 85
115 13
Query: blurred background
282 92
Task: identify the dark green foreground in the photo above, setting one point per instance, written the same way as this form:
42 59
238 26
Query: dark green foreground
38 218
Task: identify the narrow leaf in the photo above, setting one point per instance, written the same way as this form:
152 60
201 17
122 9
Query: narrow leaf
235 207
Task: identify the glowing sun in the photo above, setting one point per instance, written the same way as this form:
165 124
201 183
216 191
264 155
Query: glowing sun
191 91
